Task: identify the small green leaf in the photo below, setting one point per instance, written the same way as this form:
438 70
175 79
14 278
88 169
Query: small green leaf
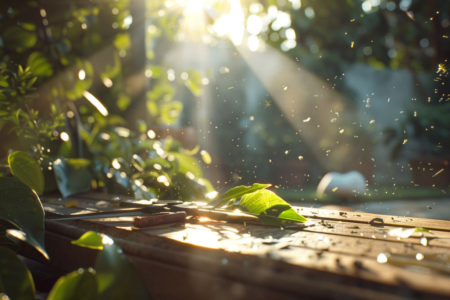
39 64
23 209
31 82
238 192
193 151
170 111
80 284
15 279
122 41
420 229
90 239
142 126
267 202
206 157
25 168
110 263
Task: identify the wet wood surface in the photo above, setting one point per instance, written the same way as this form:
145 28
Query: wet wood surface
338 255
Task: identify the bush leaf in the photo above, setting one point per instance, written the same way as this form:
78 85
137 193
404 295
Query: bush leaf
26 168
90 239
72 176
23 209
15 279
80 284
128 285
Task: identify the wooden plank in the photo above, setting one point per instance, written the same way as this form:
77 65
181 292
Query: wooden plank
359 217
341 246
273 274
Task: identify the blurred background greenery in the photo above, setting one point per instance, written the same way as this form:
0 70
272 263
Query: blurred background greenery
147 92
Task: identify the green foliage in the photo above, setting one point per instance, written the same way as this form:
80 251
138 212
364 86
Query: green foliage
271 209
238 192
72 176
113 277
127 285
90 239
268 203
15 279
80 284
22 208
16 94
25 168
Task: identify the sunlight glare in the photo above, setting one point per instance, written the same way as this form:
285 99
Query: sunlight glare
232 23
94 101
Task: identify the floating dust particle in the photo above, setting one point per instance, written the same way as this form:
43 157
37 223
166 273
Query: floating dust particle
443 191
267 104
429 207
410 15
285 88
419 256
353 44
445 36
415 114
231 87
352 20
335 189
372 121
341 131
441 69
307 120
382 258
405 141
300 157
424 241
438 172
333 120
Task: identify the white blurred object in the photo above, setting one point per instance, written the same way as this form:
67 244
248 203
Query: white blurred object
342 184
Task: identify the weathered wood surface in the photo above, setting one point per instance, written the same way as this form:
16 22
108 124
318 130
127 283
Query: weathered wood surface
336 257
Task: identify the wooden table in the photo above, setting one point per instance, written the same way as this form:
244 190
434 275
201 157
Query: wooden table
340 256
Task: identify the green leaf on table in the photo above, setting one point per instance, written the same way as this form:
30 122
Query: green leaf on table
15 279
26 168
90 239
268 203
238 192
23 209
80 284
420 229
110 263
72 176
